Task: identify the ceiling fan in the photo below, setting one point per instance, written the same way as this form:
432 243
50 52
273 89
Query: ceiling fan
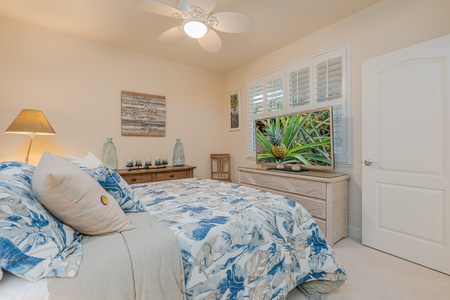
198 23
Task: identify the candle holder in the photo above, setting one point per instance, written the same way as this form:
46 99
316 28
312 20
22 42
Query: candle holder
138 163
148 162
130 163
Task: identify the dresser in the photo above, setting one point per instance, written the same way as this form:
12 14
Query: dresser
156 174
323 194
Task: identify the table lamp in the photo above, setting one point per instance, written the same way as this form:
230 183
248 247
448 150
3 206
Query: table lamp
31 122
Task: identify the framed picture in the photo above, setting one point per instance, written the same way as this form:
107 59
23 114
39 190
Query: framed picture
234 103
143 114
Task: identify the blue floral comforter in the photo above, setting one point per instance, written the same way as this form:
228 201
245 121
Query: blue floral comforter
239 242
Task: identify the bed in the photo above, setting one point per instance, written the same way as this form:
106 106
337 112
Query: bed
200 239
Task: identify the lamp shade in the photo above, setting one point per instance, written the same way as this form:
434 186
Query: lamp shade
31 121
195 27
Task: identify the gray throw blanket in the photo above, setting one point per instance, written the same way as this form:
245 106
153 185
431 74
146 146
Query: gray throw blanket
143 263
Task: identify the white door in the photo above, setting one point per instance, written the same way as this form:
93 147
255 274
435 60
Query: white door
406 153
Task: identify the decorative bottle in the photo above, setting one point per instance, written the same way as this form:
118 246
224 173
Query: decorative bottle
109 154
178 154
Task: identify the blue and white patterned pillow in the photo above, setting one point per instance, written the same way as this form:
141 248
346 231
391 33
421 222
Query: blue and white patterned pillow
110 180
114 184
33 244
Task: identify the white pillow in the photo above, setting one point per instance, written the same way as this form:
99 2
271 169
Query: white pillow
89 161
75 198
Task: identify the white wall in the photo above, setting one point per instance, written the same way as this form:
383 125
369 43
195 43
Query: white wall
77 84
381 28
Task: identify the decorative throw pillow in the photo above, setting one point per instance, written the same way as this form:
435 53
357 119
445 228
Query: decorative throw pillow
75 198
110 180
33 244
86 163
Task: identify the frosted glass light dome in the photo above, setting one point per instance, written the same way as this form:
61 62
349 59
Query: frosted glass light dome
195 27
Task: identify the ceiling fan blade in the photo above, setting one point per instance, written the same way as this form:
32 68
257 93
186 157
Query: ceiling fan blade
184 6
171 35
158 8
211 42
206 5
231 22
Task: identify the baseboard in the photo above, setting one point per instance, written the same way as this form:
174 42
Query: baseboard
355 232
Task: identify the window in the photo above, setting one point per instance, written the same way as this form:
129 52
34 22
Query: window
313 83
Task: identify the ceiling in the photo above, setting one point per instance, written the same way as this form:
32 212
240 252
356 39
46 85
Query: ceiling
119 23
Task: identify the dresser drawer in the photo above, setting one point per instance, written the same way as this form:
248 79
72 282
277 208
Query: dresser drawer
259 180
137 178
170 175
317 208
299 186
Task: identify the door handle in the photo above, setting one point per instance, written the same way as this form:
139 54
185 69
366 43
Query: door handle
369 162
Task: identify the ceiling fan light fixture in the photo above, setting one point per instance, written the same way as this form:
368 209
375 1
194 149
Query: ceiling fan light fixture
195 27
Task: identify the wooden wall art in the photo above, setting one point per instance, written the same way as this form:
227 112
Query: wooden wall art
143 114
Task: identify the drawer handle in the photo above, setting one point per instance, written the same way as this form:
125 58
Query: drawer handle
172 176
133 179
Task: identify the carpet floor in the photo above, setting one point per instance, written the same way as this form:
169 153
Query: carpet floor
374 275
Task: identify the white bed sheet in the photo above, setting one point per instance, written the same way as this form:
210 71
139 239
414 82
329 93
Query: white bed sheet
16 288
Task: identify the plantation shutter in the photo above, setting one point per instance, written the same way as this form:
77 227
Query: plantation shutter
328 77
339 135
255 97
255 107
329 81
274 92
299 83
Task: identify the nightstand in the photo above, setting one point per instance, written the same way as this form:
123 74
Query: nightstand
156 174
